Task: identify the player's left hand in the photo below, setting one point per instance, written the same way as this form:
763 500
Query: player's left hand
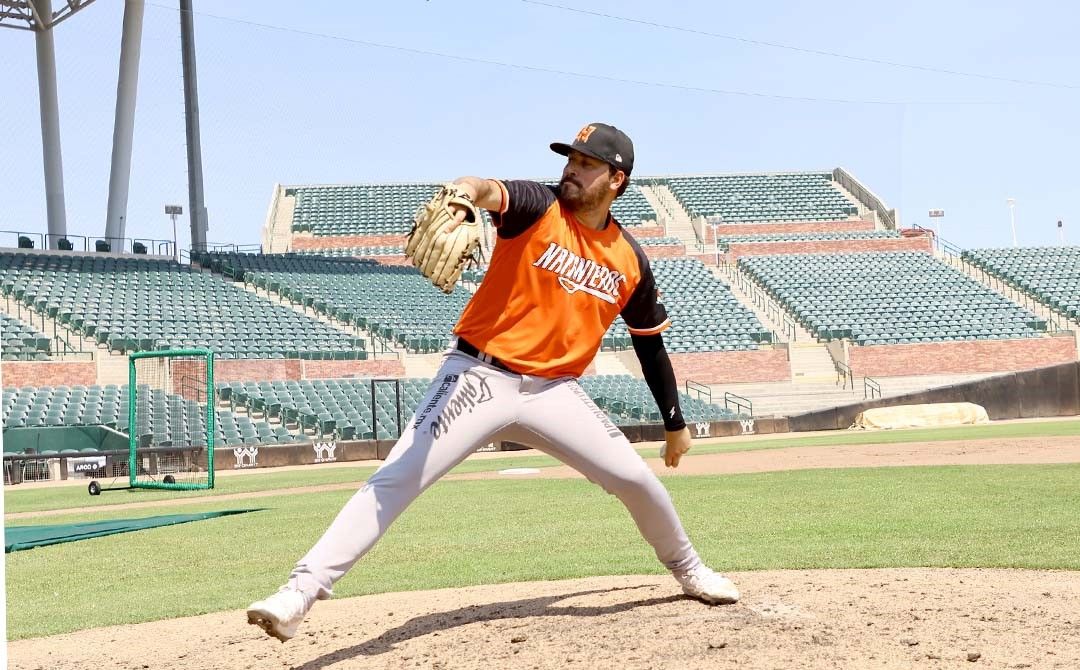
676 444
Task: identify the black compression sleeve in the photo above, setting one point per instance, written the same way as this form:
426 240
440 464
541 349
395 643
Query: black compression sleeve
656 367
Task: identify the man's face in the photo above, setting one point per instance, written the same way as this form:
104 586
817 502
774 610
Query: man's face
586 182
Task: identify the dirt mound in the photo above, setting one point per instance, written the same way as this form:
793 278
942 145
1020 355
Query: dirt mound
898 618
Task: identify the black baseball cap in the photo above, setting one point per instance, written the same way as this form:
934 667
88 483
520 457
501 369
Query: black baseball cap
602 142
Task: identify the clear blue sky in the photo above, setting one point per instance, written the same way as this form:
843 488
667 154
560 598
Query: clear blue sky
308 102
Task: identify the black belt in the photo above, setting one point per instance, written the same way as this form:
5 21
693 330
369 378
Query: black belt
469 349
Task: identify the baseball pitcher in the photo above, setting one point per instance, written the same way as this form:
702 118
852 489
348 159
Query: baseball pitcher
562 269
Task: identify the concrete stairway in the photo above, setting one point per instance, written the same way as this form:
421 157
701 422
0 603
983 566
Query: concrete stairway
676 219
278 234
111 368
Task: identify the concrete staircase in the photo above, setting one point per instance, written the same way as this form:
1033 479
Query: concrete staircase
617 363
422 365
278 235
111 368
811 363
676 220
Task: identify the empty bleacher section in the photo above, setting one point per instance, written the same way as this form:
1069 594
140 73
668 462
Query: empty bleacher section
130 304
905 298
659 241
1051 275
817 242
393 303
355 252
631 208
889 299
628 401
763 198
22 342
341 408
726 241
375 209
705 315
371 220
171 416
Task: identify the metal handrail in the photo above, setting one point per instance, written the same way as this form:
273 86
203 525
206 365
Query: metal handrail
843 371
739 402
870 388
699 389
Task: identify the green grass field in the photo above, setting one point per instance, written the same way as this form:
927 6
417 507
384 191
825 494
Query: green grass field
472 532
58 498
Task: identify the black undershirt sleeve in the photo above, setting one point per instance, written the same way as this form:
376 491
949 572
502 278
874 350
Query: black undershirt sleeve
656 366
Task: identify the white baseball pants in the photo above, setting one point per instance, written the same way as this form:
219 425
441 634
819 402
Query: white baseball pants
469 404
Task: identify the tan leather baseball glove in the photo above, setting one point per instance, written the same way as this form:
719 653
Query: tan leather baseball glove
439 245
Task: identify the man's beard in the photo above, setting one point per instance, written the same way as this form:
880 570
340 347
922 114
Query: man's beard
578 198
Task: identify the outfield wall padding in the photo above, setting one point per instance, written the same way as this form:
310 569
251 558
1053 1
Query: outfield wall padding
327 451
1043 392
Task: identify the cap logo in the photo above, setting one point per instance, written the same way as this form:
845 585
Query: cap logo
584 133
618 157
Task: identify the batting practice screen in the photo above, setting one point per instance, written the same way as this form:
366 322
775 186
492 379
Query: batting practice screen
171 419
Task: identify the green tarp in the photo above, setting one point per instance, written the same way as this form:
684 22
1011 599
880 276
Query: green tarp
17 538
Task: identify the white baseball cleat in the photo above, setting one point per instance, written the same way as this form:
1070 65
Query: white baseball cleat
280 614
709 586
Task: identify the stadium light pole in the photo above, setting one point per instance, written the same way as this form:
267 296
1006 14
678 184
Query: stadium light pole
1061 233
174 211
716 237
937 214
1012 217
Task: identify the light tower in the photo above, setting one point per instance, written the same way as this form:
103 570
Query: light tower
1012 217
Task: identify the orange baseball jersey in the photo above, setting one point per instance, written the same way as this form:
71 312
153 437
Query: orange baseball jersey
554 286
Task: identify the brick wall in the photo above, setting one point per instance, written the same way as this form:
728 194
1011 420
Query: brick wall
778 228
925 358
284 369
389 260
47 373
337 369
251 369
665 251
733 367
828 247
642 232
343 241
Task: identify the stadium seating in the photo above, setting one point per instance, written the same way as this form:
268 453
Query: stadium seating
628 401
1050 274
705 314
760 198
631 208
342 407
888 298
362 293
330 407
725 241
353 252
358 210
169 417
138 304
387 209
658 241
21 342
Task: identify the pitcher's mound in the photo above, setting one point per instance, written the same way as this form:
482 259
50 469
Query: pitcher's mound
901 618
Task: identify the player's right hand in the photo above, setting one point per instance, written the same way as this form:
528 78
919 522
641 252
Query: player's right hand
676 443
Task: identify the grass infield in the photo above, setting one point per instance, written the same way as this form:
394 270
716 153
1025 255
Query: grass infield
59 498
473 532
